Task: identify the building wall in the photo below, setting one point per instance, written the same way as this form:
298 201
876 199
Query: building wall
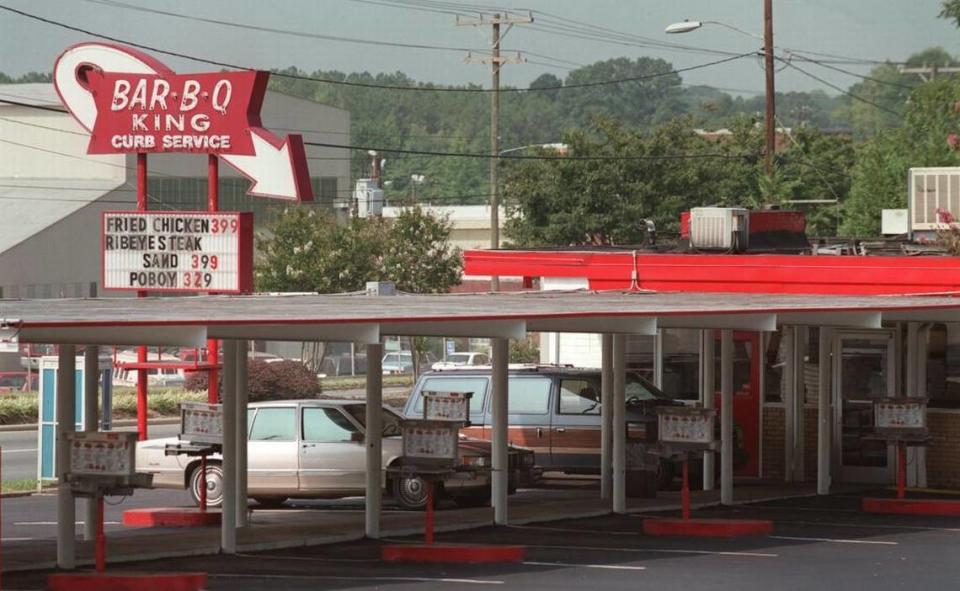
943 459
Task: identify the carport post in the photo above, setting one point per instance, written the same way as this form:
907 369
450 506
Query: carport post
606 414
374 439
707 385
91 386
501 473
66 417
228 508
240 407
726 417
619 424
823 413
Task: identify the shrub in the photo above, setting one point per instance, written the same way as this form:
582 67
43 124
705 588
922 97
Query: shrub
195 381
280 380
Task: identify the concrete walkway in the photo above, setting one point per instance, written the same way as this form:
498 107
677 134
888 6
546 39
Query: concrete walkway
294 526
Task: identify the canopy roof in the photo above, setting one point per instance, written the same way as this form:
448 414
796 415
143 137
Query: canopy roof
188 321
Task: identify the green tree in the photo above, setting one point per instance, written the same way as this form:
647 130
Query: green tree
880 174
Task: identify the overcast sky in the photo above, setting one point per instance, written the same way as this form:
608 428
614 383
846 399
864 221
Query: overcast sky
871 29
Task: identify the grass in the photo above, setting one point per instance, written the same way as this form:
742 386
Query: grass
350 382
21 407
14 486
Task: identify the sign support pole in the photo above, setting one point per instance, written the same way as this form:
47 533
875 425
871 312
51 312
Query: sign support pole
142 350
213 345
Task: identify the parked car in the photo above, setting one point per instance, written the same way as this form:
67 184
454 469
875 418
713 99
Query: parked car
555 411
314 449
461 359
397 362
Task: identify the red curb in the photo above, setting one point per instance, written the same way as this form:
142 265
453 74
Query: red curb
127 581
170 518
911 506
445 553
707 528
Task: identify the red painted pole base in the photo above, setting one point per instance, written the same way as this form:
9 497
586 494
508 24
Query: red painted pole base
170 518
127 581
935 507
453 554
707 528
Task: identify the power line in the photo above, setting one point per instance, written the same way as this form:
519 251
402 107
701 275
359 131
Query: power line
262 29
362 84
485 155
846 92
854 74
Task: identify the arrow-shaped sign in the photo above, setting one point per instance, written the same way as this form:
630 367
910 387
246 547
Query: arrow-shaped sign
130 102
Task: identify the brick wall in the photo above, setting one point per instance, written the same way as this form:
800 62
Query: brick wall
773 442
943 454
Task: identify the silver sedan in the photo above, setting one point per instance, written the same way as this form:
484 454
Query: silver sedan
314 449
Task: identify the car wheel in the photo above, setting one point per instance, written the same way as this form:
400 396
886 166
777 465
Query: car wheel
411 493
214 484
270 502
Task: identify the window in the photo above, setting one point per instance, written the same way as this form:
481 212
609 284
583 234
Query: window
328 188
529 395
477 385
579 397
326 425
390 419
681 363
274 424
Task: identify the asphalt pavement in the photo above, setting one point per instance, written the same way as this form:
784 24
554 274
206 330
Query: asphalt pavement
819 543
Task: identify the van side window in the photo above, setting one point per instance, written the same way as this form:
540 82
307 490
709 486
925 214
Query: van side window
579 397
529 396
477 385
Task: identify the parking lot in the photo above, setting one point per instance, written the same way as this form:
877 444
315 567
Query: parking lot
819 543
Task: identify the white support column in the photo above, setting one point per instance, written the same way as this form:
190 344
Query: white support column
242 432
789 390
91 386
228 524
606 415
824 416
499 480
726 417
66 415
923 340
374 439
619 434
800 340
708 352
658 359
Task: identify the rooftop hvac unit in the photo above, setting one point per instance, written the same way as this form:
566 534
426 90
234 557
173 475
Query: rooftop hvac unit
932 189
369 198
719 228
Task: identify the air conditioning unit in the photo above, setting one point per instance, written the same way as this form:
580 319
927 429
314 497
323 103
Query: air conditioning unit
369 198
932 189
719 228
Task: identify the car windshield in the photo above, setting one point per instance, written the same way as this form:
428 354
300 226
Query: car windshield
640 389
391 420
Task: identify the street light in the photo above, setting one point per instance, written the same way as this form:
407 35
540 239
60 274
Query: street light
770 119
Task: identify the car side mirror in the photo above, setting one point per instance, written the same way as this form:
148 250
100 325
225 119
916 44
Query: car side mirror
356 437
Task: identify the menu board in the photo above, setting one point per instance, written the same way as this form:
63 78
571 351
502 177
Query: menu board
686 425
201 422
447 406
102 454
900 414
430 440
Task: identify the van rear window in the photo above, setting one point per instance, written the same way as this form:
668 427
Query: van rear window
477 385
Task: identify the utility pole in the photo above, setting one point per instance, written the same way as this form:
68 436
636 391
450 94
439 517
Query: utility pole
771 116
496 62
928 73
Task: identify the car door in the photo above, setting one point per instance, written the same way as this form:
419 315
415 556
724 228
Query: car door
272 450
528 414
575 442
329 459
